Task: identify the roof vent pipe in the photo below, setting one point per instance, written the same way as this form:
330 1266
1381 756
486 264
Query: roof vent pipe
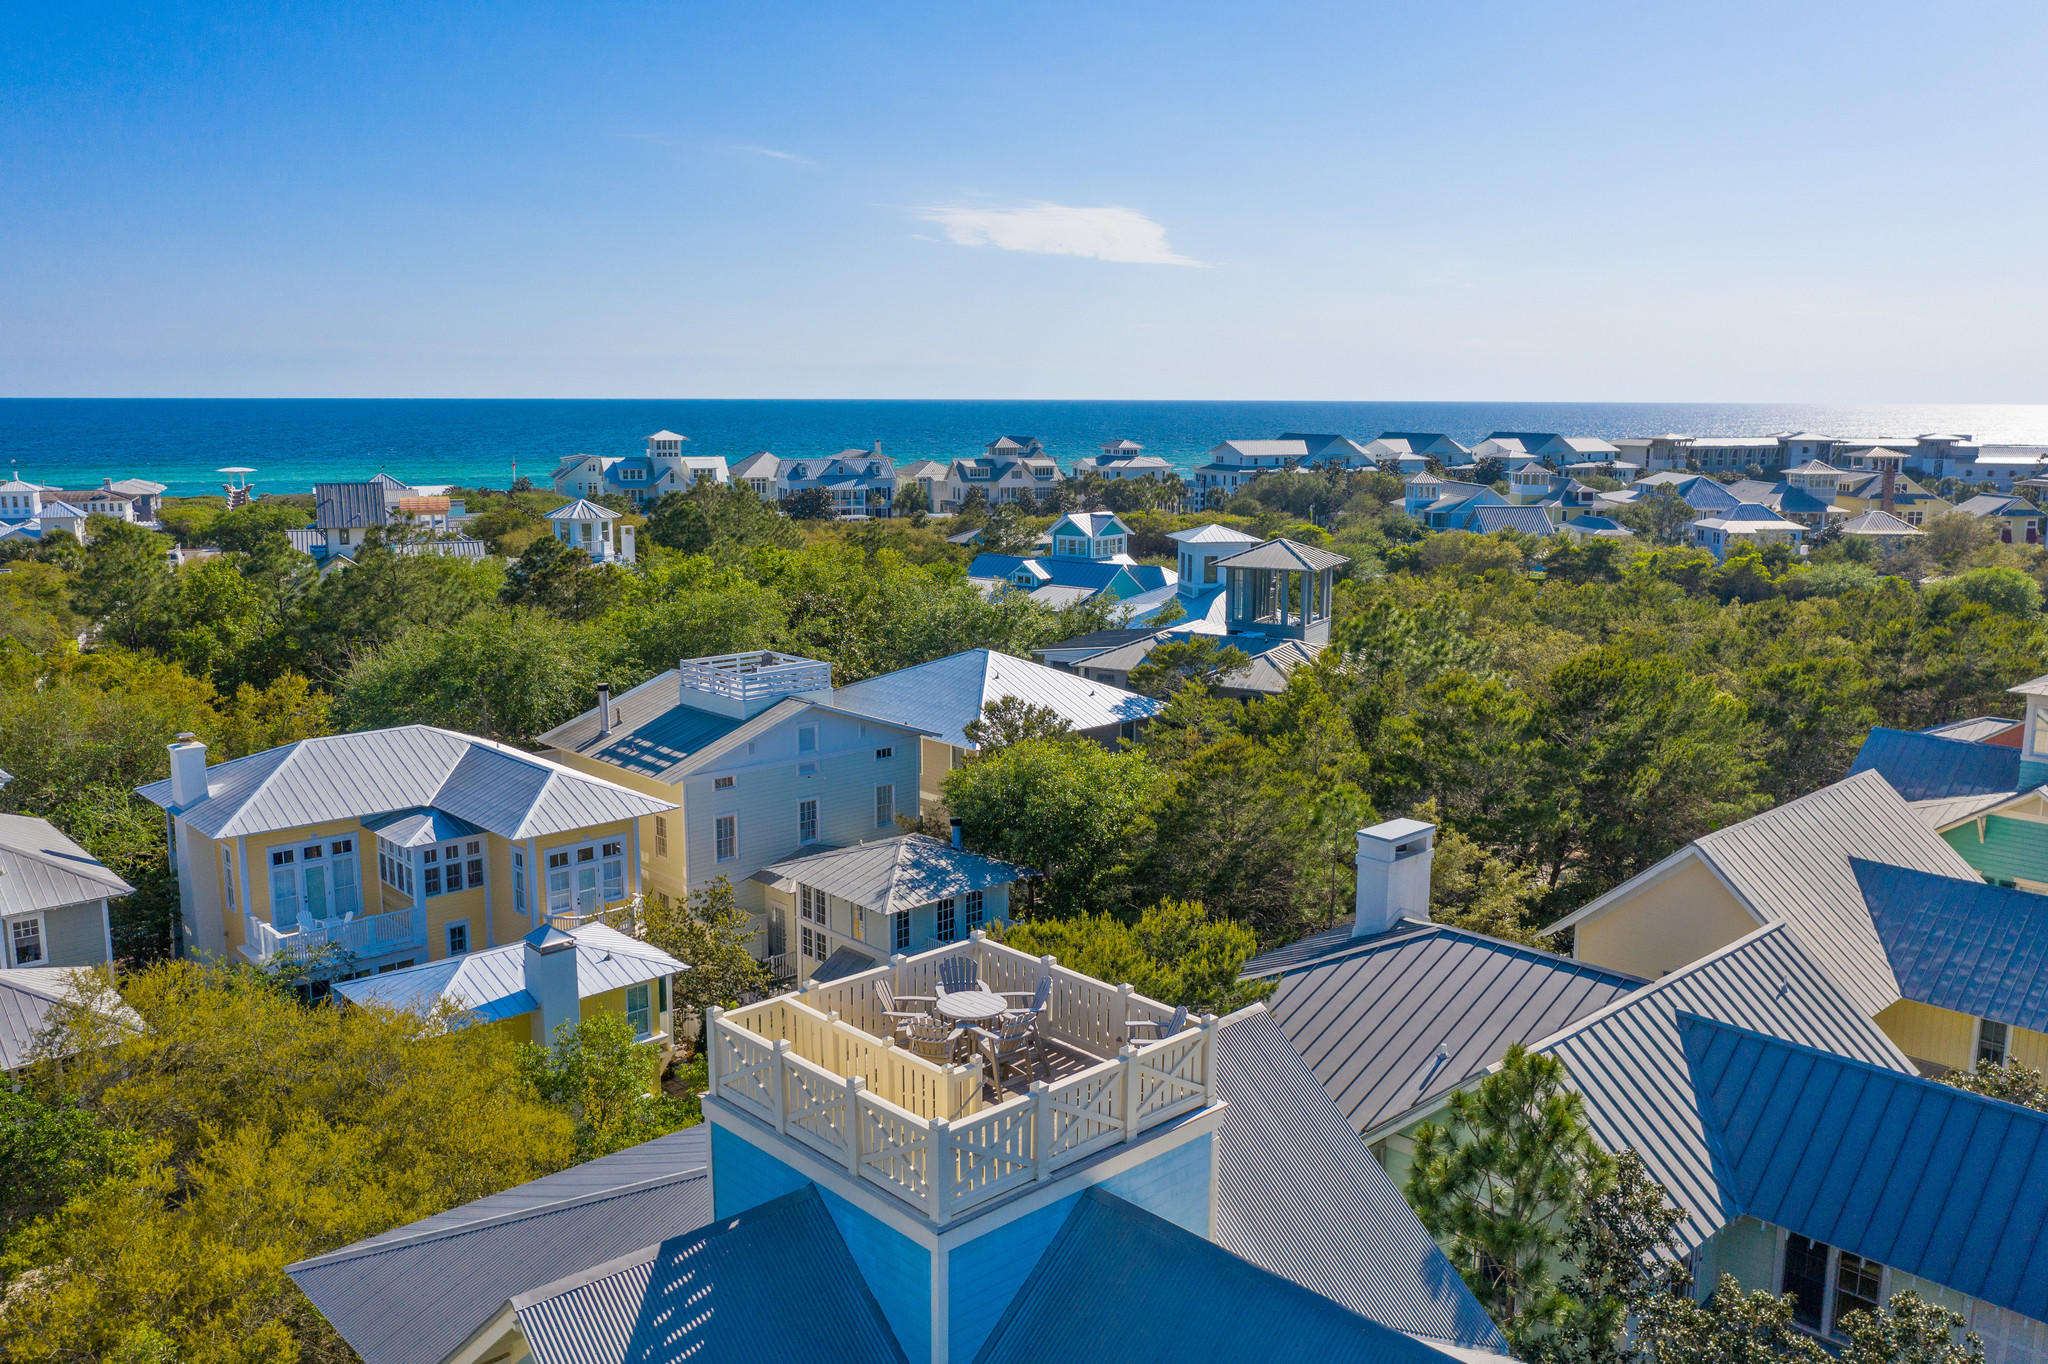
604 710
956 833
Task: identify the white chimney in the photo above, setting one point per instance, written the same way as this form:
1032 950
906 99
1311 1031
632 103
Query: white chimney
549 966
604 710
1393 874
188 772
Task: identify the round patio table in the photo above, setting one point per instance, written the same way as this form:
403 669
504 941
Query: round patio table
972 1006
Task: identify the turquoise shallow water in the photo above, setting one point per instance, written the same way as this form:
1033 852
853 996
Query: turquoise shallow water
293 442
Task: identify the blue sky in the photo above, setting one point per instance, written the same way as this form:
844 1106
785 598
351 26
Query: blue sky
1806 202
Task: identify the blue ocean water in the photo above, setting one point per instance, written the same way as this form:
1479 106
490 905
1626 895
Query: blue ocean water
294 442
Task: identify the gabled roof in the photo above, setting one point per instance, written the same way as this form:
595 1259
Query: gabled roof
1213 534
1297 1192
1926 766
42 869
1878 522
946 694
29 995
1793 864
1282 553
712 1294
1094 525
491 984
1268 669
1529 520
1153 1291
892 875
350 776
1932 1180
583 509
1987 504
1628 1061
415 1293
1394 1021
760 464
1958 943
349 506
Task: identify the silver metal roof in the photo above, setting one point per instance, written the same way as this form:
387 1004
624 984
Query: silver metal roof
1394 1022
1298 1193
1792 863
891 875
1285 554
414 1294
338 506
491 983
28 995
582 509
945 695
42 869
350 776
1628 1061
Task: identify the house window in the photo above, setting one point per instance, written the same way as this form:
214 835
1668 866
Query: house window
518 881
25 941
1857 1281
974 910
807 821
944 920
1991 1038
458 937
885 805
558 881
452 857
726 837
640 1010
430 862
1805 1277
721 783
475 851
807 739
284 889
346 875
900 926
227 879
661 836
884 754
614 870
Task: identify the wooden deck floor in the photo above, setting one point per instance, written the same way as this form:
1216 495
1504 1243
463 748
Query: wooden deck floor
1060 1062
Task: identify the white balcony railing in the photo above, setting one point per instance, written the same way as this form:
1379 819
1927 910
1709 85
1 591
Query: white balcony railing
755 675
918 1130
361 935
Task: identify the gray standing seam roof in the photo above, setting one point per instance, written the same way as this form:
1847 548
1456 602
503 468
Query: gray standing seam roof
1793 864
1298 1193
350 776
1408 1016
891 875
28 996
42 869
415 1293
1628 1061
1286 554
338 506
946 694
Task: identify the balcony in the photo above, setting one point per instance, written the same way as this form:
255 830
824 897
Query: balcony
359 935
821 1066
755 677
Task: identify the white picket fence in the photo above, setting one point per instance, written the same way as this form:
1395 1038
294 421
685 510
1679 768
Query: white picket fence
851 1098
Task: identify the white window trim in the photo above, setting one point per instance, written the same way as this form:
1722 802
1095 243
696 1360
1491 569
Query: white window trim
42 936
448 937
732 815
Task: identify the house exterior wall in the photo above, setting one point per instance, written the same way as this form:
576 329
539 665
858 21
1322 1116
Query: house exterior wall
1668 923
1948 1038
75 935
2010 850
936 758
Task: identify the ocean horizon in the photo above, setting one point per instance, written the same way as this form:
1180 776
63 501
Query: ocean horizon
293 443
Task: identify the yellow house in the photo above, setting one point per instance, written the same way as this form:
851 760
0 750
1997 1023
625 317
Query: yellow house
531 987
1880 899
395 846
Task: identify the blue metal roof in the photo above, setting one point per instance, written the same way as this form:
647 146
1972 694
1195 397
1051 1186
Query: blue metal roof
414 1294
1118 1283
1298 1193
775 1282
1929 1179
1930 767
1959 944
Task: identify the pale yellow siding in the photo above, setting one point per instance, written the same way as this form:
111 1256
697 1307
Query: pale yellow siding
667 875
1668 923
1926 1033
934 761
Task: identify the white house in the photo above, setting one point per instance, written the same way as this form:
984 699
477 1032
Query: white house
54 898
588 527
1235 463
1121 459
860 483
642 479
1014 469
1745 524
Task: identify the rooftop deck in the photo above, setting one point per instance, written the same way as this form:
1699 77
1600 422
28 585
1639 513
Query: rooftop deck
822 1067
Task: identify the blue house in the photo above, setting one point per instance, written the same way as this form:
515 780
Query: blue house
1165 1188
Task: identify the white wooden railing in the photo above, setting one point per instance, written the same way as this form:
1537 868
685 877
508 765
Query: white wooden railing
902 1124
755 674
361 936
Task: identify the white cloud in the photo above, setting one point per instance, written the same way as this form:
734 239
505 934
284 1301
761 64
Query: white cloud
1108 233
770 151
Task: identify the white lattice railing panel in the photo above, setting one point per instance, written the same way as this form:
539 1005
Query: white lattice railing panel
895 1149
816 1112
1169 1078
1084 1114
991 1153
743 1070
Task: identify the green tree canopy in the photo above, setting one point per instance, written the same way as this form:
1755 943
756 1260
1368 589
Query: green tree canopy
1173 952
